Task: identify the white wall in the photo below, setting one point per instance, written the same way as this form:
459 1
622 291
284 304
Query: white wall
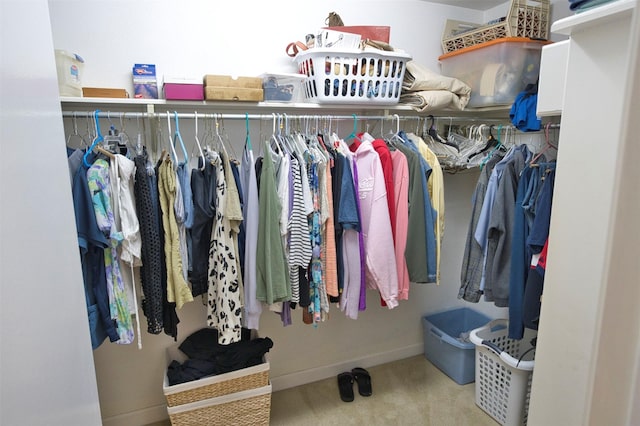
196 37
46 365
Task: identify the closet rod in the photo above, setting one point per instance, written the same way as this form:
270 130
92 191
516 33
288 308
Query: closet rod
126 114
111 114
186 115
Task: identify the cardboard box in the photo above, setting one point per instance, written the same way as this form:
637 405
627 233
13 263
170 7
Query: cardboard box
183 89
104 92
229 81
234 93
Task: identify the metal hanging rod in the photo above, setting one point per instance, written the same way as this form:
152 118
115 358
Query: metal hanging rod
125 114
188 115
280 116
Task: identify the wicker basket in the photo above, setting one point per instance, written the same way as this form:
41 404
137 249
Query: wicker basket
250 407
526 18
214 386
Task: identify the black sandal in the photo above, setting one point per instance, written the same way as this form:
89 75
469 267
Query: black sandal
364 381
345 385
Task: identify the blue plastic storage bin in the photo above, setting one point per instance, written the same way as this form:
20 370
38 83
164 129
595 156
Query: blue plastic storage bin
447 344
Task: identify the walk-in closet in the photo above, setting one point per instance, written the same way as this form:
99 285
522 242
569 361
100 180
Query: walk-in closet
319 235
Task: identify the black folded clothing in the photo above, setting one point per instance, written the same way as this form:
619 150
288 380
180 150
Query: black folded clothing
207 357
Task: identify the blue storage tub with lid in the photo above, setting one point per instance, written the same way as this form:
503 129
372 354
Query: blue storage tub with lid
447 344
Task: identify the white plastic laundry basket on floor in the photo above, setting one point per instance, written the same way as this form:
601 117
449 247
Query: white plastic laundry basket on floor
503 372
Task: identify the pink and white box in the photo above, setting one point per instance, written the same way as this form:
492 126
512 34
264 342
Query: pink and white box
183 89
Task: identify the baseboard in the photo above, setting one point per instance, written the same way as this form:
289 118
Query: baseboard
138 417
324 372
159 413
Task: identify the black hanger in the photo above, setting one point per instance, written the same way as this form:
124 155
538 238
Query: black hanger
492 142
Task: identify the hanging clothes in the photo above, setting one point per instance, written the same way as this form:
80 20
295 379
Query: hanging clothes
92 242
381 273
348 218
482 229
271 268
225 292
473 258
299 239
169 316
435 184
203 188
429 213
235 170
98 181
416 247
121 172
178 290
183 207
500 229
250 216
331 261
401 191
151 250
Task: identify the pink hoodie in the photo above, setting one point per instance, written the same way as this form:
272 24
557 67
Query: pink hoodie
376 225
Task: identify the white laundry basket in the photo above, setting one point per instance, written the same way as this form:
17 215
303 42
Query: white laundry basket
352 76
504 368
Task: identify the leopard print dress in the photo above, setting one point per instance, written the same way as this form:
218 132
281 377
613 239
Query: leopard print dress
224 281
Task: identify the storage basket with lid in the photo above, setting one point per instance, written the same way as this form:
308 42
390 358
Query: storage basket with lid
352 76
526 18
69 68
496 70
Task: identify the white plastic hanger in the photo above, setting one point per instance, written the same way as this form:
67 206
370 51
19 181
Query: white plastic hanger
204 160
173 150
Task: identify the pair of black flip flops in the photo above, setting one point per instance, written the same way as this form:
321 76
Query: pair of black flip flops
345 383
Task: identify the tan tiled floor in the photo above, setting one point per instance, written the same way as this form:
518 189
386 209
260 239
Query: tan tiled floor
407 392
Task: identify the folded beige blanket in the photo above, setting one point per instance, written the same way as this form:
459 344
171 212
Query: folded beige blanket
425 90
429 100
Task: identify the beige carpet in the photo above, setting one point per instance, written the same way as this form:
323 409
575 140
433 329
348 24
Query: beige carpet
407 392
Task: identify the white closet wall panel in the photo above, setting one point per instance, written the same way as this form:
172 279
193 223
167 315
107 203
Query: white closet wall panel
581 281
46 369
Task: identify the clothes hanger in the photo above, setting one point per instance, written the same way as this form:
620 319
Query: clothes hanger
204 160
548 145
396 136
218 137
173 149
433 133
139 146
274 140
76 134
247 138
353 135
112 140
489 144
126 141
95 144
495 148
177 136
